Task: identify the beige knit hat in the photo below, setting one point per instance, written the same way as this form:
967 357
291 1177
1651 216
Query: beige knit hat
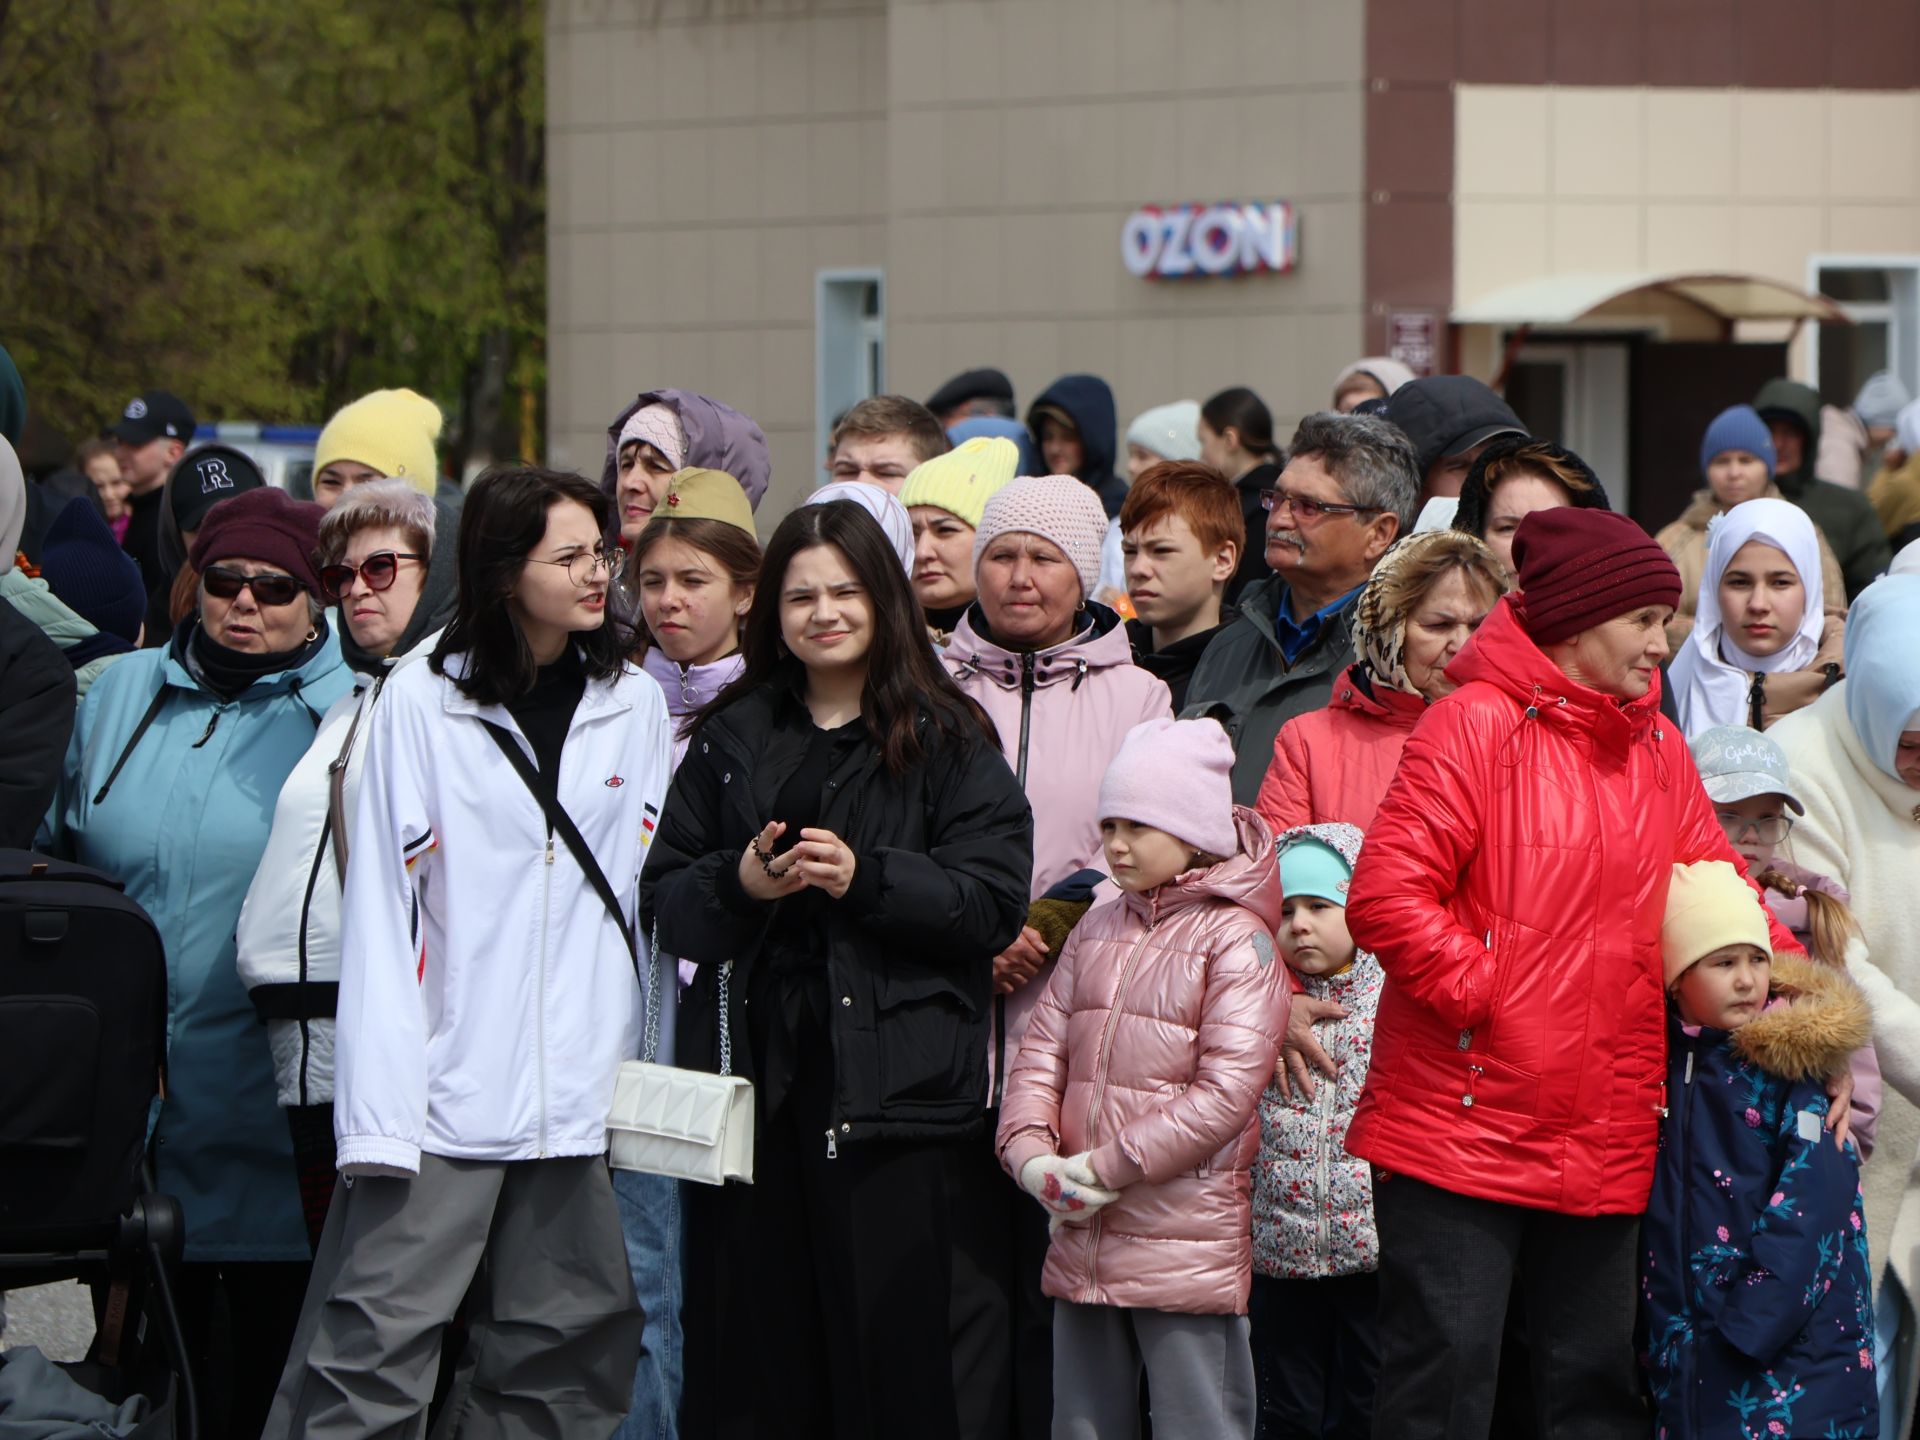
1708 908
1054 507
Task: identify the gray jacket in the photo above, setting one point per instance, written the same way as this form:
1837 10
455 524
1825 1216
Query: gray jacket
1243 681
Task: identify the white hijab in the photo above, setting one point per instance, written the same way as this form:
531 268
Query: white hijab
1711 675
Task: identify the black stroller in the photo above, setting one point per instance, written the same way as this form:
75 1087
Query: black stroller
83 1013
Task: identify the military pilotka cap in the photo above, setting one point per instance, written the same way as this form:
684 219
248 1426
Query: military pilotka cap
1736 763
156 415
695 494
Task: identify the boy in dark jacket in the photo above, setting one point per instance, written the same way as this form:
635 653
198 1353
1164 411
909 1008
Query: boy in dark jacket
1756 1304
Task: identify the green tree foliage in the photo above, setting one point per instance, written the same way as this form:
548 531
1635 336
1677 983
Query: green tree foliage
271 206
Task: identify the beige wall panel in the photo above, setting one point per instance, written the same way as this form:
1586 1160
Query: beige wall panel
1688 143
1779 144
1496 242
1688 237
1777 239
1873 146
786 376
1503 140
633 270
1596 142
733 277
1596 236
785 171
1873 229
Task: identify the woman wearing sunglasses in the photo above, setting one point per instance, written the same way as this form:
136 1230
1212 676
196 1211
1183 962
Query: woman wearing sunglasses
488 993
391 575
169 787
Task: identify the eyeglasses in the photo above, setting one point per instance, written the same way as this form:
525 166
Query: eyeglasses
582 564
269 589
1769 830
1310 512
379 570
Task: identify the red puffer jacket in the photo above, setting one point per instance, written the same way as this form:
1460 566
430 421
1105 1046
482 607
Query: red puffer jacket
1512 886
1334 765
1150 1047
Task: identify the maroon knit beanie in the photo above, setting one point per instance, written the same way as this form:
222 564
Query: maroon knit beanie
265 524
1581 568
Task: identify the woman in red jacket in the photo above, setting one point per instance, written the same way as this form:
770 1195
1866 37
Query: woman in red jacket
1427 596
1512 886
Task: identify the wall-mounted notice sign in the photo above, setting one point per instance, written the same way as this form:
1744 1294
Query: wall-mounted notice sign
1189 241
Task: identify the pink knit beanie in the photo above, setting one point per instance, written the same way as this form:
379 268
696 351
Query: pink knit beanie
1175 775
659 426
1054 507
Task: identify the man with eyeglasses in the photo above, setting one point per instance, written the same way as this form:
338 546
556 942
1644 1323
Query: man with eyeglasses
1348 492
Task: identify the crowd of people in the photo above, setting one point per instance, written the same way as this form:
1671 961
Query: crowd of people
1336 938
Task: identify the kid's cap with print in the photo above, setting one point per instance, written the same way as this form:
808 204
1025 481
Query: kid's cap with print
1314 868
1736 763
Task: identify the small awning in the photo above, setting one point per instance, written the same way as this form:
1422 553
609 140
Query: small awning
1567 299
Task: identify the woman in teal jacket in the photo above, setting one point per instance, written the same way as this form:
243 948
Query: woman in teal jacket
178 755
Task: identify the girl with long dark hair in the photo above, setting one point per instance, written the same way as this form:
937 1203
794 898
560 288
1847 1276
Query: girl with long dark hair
1236 438
843 853
488 993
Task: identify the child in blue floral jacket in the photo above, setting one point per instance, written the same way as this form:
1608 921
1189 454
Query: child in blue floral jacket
1756 1306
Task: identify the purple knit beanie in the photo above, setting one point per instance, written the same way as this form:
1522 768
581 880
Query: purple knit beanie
1175 775
1054 507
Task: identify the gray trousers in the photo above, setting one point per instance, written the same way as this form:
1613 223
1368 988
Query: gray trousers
1199 1374
553 1330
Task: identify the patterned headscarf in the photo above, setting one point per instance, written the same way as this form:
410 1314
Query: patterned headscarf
1380 615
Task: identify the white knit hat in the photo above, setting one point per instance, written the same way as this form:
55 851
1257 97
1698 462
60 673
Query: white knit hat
1054 507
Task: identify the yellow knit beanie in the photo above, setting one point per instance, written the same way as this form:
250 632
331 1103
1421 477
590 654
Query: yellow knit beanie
965 478
391 431
1708 908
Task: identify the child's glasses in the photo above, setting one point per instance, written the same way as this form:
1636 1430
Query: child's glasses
1768 829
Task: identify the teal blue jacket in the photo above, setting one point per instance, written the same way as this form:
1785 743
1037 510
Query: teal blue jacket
183 826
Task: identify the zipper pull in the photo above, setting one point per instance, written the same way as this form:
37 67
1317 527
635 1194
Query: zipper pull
833 1146
549 850
1689 1079
1473 1072
1662 1106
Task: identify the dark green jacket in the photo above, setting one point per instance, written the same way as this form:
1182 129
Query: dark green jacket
1243 680
1845 517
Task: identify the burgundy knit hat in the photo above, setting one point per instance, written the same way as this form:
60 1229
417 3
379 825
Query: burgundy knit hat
1581 568
265 524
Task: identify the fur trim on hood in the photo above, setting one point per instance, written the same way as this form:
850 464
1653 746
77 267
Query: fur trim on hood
1810 1037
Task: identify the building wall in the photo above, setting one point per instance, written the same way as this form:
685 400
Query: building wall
709 156
1558 180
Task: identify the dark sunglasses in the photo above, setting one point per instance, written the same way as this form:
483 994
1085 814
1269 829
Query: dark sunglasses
379 570
227 584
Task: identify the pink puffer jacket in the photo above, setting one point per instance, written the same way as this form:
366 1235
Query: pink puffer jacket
1061 715
1150 1047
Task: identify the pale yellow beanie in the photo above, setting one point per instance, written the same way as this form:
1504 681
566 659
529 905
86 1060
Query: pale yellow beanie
965 478
391 431
1708 908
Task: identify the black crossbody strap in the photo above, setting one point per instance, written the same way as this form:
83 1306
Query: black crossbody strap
564 827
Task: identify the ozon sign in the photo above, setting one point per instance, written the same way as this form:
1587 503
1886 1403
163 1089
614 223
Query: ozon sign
1185 241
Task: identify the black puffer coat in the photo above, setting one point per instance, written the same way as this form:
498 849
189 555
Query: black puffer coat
944 856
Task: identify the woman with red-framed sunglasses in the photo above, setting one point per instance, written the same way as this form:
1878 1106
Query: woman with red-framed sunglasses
390 574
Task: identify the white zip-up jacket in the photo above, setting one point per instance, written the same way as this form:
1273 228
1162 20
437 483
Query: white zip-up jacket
289 928
486 997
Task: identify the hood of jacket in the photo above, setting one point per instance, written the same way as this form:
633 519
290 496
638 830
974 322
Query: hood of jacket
1503 655
718 438
1359 691
1087 400
1475 495
1099 644
1800 403
1883 683
1816 1020
1250 879
35 599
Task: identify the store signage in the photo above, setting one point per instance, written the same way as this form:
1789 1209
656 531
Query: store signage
1200 241
1413 338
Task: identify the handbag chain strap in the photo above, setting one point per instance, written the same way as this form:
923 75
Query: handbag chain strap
652 981
726 1019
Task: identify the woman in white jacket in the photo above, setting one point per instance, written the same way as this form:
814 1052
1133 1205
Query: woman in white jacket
487 996
391 576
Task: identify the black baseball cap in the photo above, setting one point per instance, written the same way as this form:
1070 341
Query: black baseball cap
155 415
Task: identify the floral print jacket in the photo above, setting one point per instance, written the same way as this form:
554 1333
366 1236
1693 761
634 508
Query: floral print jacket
1756 1304
1313 1202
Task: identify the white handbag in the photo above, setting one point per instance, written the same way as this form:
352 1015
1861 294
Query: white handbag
687 1124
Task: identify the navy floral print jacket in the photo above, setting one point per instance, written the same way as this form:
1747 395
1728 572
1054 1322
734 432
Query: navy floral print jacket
1756 1302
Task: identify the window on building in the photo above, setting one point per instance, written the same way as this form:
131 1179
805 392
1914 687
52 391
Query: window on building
1881 296
850 345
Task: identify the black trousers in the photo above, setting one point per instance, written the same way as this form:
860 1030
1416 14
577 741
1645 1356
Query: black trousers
1316 1356
832 1281
239 1318
1446 1264
1002 1324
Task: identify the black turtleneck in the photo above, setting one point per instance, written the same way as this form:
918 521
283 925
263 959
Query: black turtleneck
1175 664
545 713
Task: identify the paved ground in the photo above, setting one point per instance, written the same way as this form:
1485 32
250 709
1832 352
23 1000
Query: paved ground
57 1318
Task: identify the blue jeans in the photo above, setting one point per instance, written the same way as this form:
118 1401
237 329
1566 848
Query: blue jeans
650 1220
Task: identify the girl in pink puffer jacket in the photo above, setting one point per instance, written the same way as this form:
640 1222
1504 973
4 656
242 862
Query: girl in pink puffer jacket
1129 1113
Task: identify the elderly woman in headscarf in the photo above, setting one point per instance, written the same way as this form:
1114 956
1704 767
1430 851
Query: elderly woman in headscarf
1761 645
169 787
1427 596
